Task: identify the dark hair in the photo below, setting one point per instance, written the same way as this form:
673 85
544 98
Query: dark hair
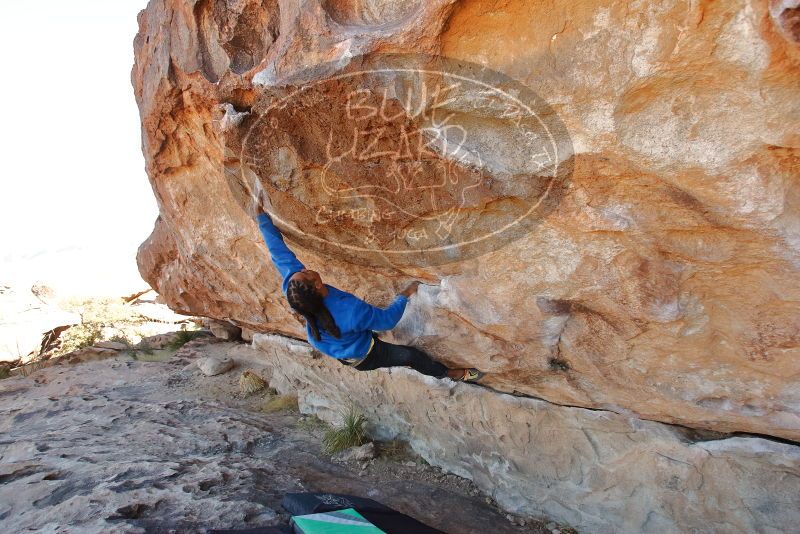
305 300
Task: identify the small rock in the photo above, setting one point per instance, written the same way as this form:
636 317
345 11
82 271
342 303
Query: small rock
551 525
212 366
410 463
113 345
359 454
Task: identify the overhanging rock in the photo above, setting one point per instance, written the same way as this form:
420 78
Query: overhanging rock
596 470
662 278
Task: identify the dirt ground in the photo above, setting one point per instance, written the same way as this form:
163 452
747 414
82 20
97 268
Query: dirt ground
131 446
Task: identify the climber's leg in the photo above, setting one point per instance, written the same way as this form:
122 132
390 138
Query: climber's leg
390 355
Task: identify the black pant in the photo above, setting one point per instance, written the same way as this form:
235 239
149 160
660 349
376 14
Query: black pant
389 355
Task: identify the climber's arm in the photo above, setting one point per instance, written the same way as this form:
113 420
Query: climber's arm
283 258
370 317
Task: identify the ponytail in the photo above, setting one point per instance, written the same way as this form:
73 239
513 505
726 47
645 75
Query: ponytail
304 299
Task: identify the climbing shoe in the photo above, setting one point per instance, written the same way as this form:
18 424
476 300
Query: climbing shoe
472 375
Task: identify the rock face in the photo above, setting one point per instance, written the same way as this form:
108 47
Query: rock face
597 471
659 276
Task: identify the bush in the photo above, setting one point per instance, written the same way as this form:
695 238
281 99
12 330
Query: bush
350 434
80 336
184 336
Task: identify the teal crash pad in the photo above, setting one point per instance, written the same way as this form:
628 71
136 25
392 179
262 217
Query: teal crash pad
346 521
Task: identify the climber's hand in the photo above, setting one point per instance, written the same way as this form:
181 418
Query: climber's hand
410 289
259 200
265 205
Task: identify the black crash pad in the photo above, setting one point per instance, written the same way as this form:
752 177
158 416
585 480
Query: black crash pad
387 519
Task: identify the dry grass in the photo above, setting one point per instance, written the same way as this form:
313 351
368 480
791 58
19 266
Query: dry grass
395 451
79 337
31 367
250 382
281 403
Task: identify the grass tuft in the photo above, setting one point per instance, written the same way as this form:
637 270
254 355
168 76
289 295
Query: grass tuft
32 366
184 336
250 383
350 434
281 403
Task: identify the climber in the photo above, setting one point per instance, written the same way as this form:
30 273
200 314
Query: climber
342 325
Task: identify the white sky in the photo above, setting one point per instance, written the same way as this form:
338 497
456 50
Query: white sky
75 202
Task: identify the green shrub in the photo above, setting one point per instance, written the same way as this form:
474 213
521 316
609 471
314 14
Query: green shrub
184 336
350 434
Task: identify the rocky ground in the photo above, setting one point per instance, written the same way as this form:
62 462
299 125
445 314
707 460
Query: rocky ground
132 446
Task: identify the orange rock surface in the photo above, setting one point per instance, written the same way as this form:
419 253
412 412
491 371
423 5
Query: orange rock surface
661 278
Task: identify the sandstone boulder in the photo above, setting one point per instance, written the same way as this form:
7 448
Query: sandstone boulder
660 275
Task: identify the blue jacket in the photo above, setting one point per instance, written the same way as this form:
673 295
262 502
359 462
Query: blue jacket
355 318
